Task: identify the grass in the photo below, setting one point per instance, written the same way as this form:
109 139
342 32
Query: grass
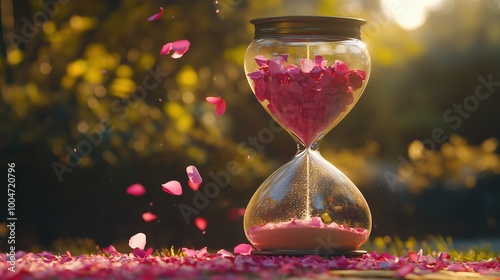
431 246
392 245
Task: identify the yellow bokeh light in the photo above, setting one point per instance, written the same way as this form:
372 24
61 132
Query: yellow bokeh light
122 87
415 150
93 76
490 145
470 181
82 23
173 109
147 60
45 68
100 91
188 97
49 27
92 102
236 54
184 123
124 71
138 145
82 127
76 68
14 56
187 77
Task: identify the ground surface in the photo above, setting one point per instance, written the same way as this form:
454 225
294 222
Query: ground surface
200 264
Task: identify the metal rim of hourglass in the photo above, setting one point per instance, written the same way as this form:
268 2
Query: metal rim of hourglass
299 253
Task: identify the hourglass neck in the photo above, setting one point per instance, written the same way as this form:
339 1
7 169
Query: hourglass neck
313 147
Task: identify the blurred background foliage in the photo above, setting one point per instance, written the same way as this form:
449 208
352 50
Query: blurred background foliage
69 67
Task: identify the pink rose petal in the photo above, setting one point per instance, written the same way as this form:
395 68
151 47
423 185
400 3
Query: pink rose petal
235 213
110 249
220 104
194 186
243 249
156 16
306 65
172 187
404 270
148 217
220 108
179 47
191 253
136 190
261 60
140 253
201 223
137 241
166 49
412 256
213 99
193 174
223 253
457 268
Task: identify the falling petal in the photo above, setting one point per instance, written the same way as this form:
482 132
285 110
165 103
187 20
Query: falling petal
136 190
200 223
148 217
180 48
137 241
193 186
193 175
166 49
235 213
213 100
173 187
243 249
156 16
220 104
220 108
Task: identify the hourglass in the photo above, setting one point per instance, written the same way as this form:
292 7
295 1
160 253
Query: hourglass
307 72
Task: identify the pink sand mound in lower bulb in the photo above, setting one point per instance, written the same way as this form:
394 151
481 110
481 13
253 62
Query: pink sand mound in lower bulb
308 234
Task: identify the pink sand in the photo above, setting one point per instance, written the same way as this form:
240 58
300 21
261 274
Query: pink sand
310 234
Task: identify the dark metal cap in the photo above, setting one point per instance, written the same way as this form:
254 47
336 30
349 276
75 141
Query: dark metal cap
336 27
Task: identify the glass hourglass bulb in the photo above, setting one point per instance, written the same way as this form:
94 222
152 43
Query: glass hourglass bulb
307 73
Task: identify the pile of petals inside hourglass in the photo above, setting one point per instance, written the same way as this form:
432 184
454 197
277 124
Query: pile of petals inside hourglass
306 99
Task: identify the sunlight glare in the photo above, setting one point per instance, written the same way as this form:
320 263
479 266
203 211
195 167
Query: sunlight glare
411 14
